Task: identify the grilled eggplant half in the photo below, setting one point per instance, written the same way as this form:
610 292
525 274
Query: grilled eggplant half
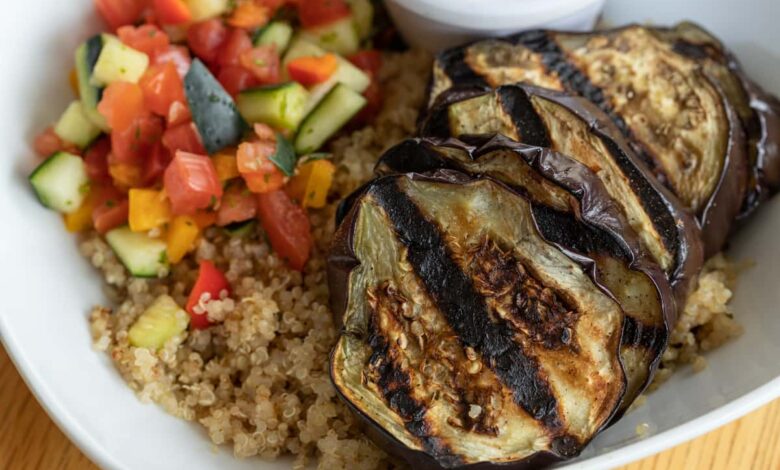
758 110
560 185
674 115
575 127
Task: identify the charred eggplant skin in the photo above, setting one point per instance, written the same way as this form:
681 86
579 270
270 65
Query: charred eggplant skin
676 227
596 209
555 68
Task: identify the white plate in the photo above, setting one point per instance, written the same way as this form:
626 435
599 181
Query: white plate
48 289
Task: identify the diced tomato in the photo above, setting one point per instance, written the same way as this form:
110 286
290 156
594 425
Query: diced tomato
235 79
96 160
206 38
320 12
312 70
48 142
179 56
287 226
125 175
120 12
147 38
171 11
111 207
253 157
161 86
263 62
212 285
274 5
156 163
204 218
179 113
238 204
369 60
132 144
122 104
264 182
236 43
191 183
249 15
183 137
264 132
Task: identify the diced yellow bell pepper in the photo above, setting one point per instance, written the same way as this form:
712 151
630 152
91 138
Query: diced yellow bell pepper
225 164
311 185
149 208
182 234
81 219
125 175
73 80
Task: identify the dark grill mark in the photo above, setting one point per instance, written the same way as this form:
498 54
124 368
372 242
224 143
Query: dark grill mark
526 121
649 337
453 62
464 309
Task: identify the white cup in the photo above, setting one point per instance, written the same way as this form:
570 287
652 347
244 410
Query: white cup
438 24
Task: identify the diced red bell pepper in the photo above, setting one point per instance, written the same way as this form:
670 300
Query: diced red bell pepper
191 183
287 226
210 285
156 163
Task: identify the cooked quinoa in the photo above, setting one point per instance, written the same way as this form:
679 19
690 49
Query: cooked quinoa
258 380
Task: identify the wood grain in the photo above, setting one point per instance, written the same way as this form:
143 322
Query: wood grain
30 440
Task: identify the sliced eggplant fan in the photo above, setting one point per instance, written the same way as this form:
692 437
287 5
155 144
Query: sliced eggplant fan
674 113
487 322
577 128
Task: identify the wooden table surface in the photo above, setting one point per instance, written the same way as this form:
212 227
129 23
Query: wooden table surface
30 440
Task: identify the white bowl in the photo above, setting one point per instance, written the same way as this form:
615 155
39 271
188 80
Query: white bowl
48 289
437 24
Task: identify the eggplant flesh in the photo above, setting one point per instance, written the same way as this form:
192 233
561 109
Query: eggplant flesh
564 191
467 337
575 127
674 114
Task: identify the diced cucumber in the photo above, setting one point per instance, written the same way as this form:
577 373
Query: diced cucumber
119 63
141 254
339 36
61 182
205 9
75 126
241 229
332 112
160 322
86 56
278 33
281 106
363 15
218 121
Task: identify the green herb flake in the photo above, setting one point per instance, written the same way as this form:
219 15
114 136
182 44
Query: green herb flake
163 259
110 203
284 157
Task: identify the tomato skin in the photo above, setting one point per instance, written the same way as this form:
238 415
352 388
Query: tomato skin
154 167
191 183
287 226
236 43
238 204
111 207
96 160
147 38
119 12
320 12
171 11
121 105
162 86
263 62
212 281
183 137
235 79
132 144
179 56
206 38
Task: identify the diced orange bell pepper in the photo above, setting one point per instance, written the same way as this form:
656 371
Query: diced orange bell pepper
81 219
149 208
125 175
182 234
225 164
249 15
311 185
310 70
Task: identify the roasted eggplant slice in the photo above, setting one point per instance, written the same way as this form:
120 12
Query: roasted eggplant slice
559 185
467 337
758 110
575 127
674 115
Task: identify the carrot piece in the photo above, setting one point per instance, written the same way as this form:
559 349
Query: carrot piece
249 15
311 70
